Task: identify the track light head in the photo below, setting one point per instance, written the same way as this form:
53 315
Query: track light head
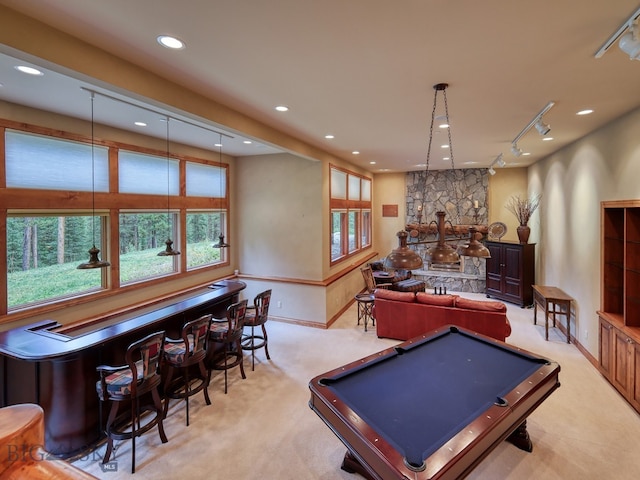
492 171
499 161
542 127
515 150
630 43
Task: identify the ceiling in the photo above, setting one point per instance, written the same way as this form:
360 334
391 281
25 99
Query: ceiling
361 70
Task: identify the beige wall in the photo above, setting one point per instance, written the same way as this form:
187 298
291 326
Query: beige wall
605 165
388 189
506 183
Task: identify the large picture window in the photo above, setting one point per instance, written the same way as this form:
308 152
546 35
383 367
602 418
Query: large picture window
51 197
42 255
350 203
203 230
142 236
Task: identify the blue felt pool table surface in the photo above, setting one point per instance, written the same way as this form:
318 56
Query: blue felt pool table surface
444 389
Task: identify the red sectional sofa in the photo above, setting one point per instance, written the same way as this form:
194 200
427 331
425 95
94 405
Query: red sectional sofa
404 315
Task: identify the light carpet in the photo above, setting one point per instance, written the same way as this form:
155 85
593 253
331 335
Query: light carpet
263 428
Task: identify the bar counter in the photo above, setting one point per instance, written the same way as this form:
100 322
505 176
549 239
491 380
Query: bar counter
54 365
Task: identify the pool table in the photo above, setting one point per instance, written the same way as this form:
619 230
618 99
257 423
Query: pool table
433 406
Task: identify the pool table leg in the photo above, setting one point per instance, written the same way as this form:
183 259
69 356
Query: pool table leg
350 464
520 438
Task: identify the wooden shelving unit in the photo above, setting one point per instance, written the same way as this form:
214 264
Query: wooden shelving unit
620 298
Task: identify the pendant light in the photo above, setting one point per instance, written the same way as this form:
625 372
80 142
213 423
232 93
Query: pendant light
168 251
475 248
403 257
94 252
221 243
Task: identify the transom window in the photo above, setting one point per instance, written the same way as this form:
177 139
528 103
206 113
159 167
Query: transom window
350 203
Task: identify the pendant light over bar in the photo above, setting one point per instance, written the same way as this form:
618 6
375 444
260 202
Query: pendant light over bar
94 252
221 243
168 251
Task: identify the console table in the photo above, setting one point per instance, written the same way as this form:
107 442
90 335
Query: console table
554 301
54 365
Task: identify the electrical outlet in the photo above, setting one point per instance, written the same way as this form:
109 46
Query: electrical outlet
279 304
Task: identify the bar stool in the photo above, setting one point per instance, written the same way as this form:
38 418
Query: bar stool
180 355
128 383
227 333
257 316
365 308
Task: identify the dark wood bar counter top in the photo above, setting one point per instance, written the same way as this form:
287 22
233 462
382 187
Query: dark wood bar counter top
54 365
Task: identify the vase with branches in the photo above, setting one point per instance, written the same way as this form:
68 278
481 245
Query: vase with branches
523 208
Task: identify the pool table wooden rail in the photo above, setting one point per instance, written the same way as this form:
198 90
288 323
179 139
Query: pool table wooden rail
374 457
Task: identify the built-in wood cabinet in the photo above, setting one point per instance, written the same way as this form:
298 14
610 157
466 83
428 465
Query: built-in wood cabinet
511 272
620 298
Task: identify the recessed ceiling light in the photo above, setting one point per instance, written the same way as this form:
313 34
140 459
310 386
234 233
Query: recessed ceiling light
173 43
446 158
586 111
247 142
444 125
140 124
547 139
28 70
355 152
444 146
329 136
372 163
524 154
217 145
282 108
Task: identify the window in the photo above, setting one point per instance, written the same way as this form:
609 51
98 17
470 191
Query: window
43 253
350 202
50 197
203 230
41 162
142 236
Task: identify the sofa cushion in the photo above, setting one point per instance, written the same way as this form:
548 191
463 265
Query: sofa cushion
394 295
431 299
481 305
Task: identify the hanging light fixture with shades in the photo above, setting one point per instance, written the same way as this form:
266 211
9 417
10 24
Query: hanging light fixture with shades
441 253
168 251
221 243
94 252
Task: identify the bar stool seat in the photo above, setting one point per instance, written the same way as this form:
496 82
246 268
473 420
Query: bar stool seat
181 356
227 333
127 385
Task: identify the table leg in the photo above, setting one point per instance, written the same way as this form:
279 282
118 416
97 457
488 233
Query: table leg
535 310
546 320
351 464
520 438
568 315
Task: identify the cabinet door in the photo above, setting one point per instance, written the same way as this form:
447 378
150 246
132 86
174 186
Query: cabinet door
513 272
634 374
494 269
606 347
620 377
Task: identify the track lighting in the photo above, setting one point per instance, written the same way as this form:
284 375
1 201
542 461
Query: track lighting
542 127
491 171
630 43
499 161
628 36
515 150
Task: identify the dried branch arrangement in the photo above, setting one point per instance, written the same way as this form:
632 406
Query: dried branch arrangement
523 208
